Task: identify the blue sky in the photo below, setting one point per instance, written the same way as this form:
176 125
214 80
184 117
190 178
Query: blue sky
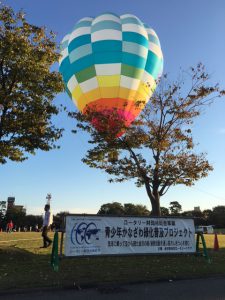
190 32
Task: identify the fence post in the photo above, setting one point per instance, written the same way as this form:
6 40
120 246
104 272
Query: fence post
205 252
55 254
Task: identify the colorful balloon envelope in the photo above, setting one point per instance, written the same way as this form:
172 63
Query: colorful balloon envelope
110 64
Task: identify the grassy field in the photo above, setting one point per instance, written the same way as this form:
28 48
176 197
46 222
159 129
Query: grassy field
24 265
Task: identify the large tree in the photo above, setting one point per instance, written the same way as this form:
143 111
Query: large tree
118 209
27 87
175 208
114 208
217 216
17 215
157 151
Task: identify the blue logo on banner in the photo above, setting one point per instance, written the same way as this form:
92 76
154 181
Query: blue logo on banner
84 233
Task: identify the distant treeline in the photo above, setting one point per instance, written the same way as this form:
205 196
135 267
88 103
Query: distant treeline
216 216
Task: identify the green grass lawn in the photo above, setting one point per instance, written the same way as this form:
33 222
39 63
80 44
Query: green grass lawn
24 265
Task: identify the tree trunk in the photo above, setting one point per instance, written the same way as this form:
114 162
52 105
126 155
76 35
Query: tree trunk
154 199
156 212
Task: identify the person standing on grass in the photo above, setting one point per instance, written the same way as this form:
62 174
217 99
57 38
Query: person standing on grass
47 220
10 226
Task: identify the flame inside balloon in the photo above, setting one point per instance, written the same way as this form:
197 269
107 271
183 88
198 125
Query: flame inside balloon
110 64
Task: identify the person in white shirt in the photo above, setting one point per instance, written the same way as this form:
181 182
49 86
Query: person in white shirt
47 220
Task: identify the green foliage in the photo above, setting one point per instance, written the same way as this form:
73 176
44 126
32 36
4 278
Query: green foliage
215 217
218 216
207 215
175 208
128 209
18 217
32 221
27 87
58 219
164 211
114 208
198 216
157 151
136 210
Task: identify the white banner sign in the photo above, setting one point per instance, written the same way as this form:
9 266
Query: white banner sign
96 235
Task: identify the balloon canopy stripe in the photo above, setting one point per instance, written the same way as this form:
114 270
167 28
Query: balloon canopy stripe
106 25
111 61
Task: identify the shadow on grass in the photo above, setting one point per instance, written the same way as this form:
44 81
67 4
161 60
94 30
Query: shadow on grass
30 268
22 268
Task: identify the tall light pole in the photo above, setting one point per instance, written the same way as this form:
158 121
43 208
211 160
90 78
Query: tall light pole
49 197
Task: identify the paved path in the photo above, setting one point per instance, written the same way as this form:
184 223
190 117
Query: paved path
199 289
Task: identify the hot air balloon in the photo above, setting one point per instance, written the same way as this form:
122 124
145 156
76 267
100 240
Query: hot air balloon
111 62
